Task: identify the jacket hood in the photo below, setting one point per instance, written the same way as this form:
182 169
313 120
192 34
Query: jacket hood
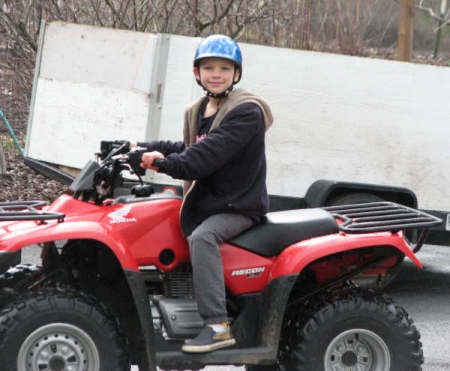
240 96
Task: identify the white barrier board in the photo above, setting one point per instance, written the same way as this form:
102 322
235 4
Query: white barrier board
91 83
336 117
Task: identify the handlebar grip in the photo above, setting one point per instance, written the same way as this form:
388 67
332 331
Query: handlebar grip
158 162
134 159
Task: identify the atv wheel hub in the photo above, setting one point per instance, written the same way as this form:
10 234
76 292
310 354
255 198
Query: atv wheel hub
357 350
58 347
349 358
57 364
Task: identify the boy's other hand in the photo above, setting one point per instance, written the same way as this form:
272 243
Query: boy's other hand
148 158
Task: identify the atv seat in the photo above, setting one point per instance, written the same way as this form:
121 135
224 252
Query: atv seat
281 229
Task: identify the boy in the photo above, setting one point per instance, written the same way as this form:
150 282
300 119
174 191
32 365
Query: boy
222 161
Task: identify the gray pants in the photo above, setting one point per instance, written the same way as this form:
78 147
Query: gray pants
207 269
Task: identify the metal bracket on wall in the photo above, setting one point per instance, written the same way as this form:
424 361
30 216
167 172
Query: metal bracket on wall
158 79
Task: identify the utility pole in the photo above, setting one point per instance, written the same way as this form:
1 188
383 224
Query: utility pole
405 30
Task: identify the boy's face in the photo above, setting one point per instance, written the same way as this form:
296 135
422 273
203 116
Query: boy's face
216 74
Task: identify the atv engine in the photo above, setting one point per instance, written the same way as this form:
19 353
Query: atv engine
174 310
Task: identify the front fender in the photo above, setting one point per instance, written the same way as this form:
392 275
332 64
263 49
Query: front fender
299 255
22 234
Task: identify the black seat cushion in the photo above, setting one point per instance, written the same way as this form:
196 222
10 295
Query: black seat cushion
280 229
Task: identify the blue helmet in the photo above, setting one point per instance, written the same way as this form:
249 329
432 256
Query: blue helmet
219 46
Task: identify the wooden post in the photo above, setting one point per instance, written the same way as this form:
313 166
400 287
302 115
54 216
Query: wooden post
405 30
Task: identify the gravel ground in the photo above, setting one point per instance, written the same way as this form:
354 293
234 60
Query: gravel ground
23 183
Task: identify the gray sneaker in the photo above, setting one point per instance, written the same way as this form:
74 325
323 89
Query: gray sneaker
211 337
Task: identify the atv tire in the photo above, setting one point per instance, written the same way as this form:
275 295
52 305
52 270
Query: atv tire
54 331
356 332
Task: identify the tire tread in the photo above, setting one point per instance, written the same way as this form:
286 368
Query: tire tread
70 300
395 315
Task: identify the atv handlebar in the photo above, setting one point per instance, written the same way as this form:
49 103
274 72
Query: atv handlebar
110 148
98 180
135 159
133 156
158 162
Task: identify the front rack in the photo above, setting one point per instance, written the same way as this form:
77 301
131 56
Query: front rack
27 210
380 216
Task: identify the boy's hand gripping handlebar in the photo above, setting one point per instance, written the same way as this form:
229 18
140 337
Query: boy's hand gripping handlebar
135 160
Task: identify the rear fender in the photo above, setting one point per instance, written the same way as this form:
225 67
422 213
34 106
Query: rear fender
322 191
299 255
16 240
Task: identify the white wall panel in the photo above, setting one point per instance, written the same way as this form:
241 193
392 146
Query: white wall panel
71 119
336 117
93 83
354 119
93 55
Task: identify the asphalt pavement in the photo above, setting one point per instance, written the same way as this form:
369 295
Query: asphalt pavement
425 294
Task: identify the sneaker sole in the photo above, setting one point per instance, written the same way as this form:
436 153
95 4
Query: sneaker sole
209 347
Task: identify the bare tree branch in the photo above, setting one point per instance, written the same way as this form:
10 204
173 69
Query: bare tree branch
114 12
430 11
97 13
20 30
443 19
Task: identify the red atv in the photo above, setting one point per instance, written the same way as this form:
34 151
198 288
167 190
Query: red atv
115 285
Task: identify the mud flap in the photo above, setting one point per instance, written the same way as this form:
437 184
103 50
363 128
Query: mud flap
141 300
9 259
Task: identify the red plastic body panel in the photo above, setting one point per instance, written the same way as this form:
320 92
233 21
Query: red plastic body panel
247 272
244 271
139 232
297 256
136 232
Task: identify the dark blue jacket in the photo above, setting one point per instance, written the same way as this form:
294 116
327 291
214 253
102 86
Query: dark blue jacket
228 166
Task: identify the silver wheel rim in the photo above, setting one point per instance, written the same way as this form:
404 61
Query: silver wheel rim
357 350
58 347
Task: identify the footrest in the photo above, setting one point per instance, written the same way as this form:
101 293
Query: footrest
229 356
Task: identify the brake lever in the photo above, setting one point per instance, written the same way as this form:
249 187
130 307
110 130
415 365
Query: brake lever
123 148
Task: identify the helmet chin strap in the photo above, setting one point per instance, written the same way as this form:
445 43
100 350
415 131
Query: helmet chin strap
220 95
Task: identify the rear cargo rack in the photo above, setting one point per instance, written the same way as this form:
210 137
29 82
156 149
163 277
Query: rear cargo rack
27 210
380 216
